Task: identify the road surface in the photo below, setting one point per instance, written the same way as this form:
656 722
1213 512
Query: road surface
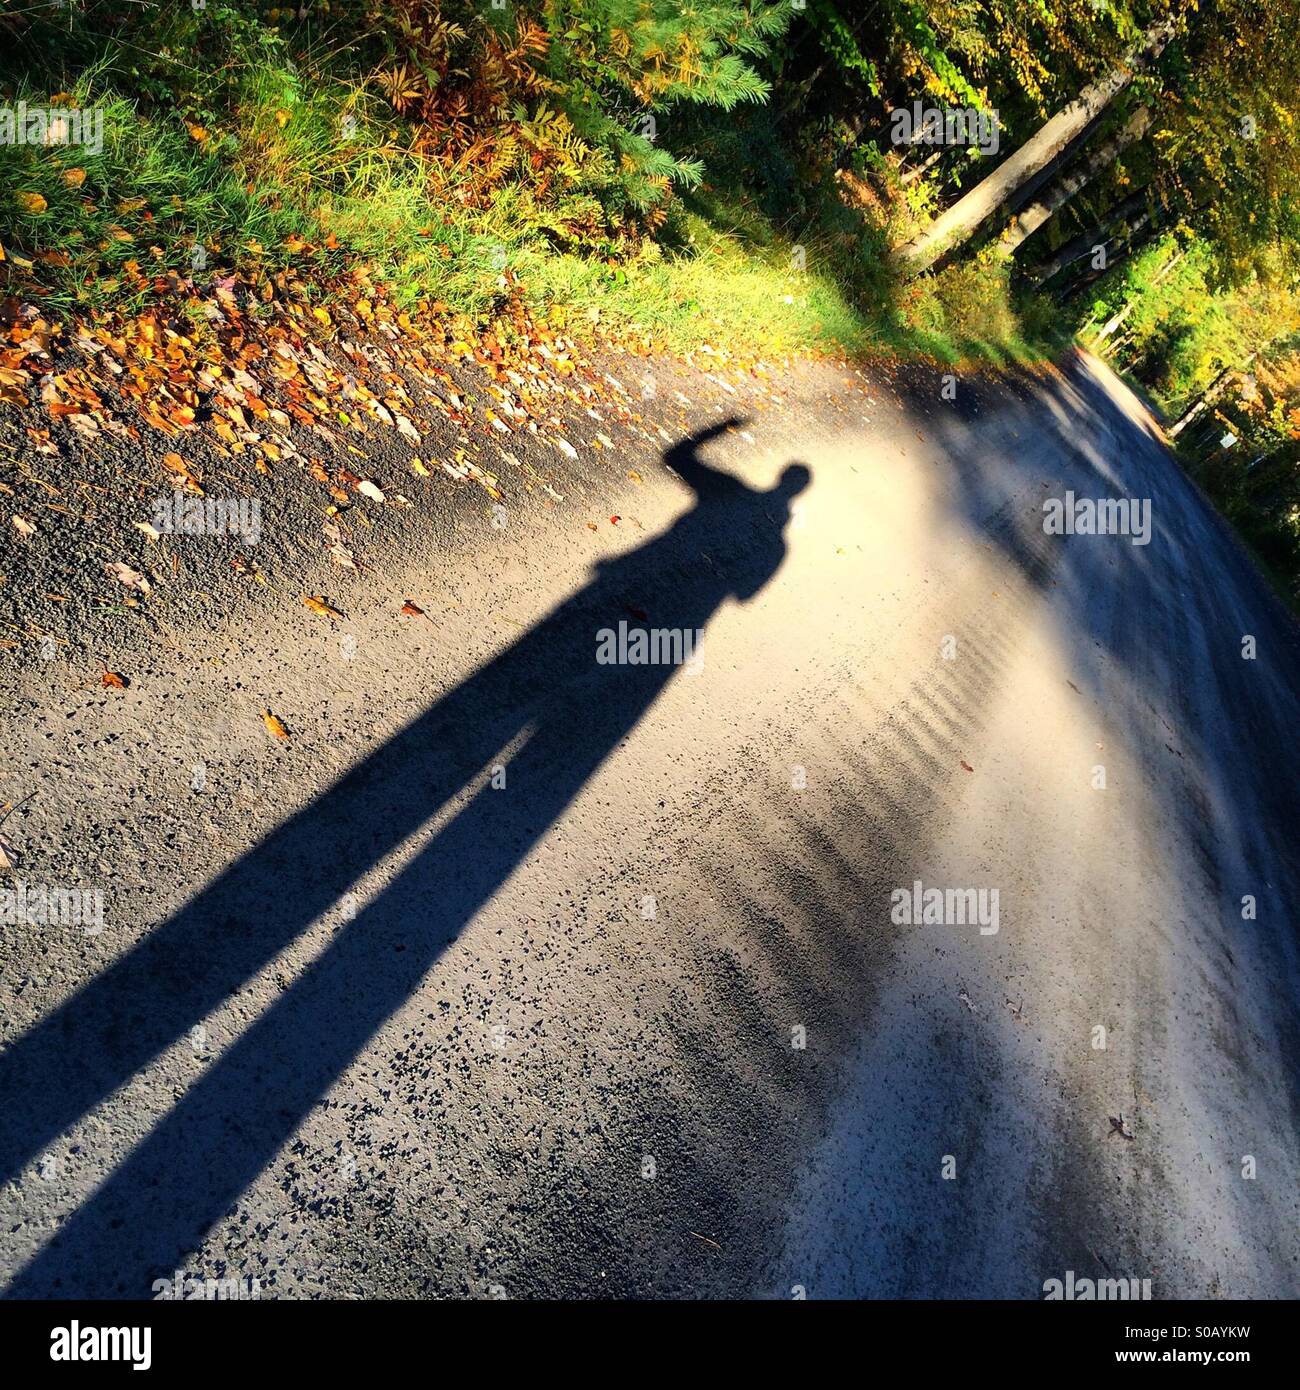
511 973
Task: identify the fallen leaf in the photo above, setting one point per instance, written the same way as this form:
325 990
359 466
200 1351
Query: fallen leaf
31 202
111 678
133 579
274 725
173 463
368 489
318 605
412 610
149 531
967 766
23 527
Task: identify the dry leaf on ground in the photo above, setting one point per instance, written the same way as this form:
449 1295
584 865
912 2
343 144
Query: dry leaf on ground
274 725
318 605
133 579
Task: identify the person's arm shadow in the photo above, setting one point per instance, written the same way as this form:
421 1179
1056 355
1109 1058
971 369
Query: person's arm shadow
710 485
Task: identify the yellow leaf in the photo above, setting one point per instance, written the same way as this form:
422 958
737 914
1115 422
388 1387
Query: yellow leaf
282 118
318 605
274 725
197 133
173 463
31 202
74 178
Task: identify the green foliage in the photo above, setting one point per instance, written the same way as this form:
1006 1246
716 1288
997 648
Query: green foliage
565 96
1222 150
1181 326
840 44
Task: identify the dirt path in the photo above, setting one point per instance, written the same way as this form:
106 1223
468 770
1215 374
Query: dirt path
517 974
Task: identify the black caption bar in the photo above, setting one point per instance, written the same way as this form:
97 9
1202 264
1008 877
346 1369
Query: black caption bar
211 1338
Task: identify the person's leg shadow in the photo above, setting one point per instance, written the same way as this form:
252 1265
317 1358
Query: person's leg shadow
573 712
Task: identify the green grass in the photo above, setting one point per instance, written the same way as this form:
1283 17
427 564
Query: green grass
291 160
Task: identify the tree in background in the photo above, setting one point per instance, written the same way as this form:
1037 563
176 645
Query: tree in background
565 96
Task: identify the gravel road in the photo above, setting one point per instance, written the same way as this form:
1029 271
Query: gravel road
514 973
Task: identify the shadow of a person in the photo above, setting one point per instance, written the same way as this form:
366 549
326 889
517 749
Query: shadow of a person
572 711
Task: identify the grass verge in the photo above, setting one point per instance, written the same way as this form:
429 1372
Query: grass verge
315 175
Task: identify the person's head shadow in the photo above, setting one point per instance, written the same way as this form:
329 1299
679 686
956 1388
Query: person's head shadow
550 697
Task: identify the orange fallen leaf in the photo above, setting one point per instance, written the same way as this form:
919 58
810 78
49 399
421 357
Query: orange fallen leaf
173 463
111 678
275 727
318 605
